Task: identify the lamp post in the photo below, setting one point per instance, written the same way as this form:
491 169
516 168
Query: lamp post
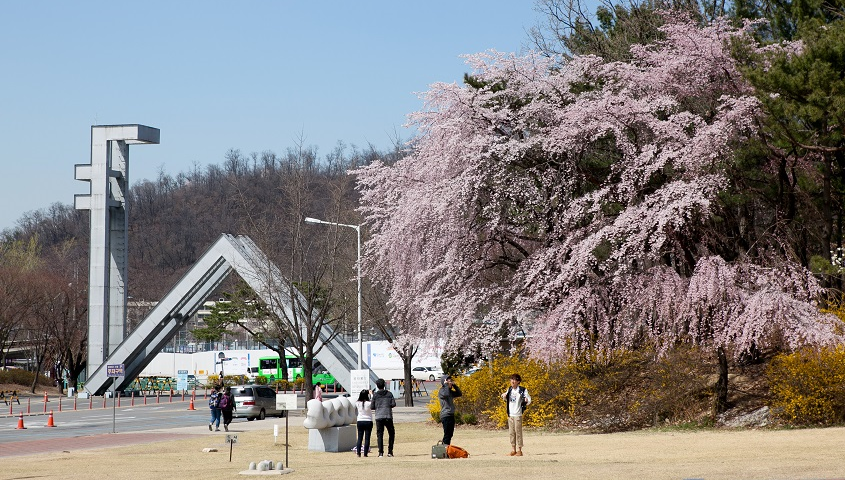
358 233
222 357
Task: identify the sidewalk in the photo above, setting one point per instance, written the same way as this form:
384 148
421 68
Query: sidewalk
296 419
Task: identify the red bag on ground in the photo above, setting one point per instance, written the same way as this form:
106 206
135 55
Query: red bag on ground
456 452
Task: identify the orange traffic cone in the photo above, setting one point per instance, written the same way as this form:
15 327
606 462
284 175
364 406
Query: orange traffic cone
20 423
50 420
191 405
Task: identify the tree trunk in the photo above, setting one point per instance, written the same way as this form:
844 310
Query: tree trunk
720 395
409 382
307 372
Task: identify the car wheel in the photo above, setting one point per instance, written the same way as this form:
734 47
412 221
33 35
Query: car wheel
431 378
261 414
249 419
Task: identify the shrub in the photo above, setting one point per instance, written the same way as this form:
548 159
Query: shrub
633 389
808 387
22 377
282 385
482 401
608 392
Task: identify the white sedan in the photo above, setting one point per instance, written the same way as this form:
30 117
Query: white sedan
432 373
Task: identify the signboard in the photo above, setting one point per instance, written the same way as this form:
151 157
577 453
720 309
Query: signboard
115 370
360 380
182 380
286 401
231 439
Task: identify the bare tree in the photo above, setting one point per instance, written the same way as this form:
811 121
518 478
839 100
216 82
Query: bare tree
313 265
18 259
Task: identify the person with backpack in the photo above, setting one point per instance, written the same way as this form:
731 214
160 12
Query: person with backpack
214 405
382 405
227 406
516 398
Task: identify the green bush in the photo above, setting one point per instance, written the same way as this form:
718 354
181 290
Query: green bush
22 377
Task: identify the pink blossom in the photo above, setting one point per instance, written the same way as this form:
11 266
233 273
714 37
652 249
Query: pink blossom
579 201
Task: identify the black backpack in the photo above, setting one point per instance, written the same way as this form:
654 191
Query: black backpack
523 403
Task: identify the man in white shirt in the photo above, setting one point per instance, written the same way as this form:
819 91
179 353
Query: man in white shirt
517 399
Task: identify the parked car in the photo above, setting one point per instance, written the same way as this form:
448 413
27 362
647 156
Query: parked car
255 401
430 373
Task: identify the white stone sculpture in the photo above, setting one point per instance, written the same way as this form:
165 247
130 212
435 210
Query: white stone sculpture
336 412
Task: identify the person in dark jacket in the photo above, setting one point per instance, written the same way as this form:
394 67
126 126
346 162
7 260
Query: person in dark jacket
447 395
382 405
227 407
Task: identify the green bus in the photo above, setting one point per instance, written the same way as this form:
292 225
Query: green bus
271 369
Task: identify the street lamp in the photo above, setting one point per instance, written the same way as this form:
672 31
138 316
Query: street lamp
358 232
222 357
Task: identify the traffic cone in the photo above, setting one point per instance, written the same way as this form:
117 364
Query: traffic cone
191 405
50 420
20 423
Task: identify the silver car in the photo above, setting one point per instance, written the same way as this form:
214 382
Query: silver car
255 401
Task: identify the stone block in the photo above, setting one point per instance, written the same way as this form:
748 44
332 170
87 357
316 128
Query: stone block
332 439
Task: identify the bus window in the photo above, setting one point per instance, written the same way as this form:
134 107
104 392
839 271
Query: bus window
294 362
268 363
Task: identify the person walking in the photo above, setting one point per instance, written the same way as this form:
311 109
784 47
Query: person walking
318 391
447 395
382 405
517 399
364 422
214 405
227 407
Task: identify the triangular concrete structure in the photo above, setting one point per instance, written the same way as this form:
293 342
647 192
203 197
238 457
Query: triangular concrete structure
229 253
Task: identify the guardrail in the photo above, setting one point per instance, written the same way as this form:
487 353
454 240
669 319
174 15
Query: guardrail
32 405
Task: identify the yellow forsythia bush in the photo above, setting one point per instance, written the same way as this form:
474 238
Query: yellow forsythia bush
557 391
808 386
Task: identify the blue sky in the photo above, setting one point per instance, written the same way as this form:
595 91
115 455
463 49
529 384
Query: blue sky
214 76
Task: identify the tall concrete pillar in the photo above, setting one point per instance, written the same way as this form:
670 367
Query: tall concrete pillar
108 176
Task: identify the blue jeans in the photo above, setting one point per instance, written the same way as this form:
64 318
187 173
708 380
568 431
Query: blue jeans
215 417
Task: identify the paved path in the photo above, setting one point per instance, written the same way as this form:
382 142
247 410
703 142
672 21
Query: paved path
86 442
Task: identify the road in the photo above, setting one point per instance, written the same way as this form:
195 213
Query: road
102 420
97 417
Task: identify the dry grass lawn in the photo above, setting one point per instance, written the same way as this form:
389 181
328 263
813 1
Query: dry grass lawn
711 454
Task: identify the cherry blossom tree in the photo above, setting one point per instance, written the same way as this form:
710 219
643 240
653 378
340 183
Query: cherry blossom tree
586 201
